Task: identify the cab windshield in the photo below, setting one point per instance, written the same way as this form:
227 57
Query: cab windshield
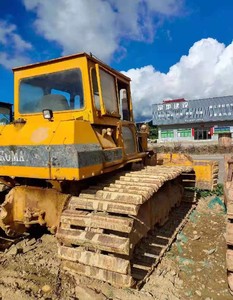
58 91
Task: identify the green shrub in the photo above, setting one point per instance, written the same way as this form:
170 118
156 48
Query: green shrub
218 191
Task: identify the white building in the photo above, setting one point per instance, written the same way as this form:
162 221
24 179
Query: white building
202 119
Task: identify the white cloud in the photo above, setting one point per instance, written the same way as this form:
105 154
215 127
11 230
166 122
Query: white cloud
10 62
166 7
206 71
99 26
19 43
12 46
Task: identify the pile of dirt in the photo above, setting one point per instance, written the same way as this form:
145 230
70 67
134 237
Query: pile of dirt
194 268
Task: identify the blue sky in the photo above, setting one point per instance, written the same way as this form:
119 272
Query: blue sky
170 48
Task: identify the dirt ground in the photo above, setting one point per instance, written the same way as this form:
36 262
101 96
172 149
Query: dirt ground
194 267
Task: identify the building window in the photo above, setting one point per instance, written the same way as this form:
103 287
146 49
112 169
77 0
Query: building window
167 134
184 132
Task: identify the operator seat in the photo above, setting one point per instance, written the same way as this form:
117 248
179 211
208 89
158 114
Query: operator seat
53 102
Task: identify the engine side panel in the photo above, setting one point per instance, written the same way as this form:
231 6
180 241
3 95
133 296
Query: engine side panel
65 150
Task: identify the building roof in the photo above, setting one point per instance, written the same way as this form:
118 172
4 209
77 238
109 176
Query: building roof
193 111
174 100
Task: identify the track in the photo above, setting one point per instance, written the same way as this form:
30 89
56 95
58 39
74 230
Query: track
100 229
151 249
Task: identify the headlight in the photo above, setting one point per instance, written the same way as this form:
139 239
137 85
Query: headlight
47 114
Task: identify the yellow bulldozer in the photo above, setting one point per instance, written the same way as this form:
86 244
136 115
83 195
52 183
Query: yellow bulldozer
73 161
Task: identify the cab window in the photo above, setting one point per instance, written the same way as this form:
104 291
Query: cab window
95 89
59 91
124 96
108 88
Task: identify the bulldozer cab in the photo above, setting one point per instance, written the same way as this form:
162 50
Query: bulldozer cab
73 120
77 86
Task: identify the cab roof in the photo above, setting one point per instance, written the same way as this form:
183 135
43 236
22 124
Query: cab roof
68 57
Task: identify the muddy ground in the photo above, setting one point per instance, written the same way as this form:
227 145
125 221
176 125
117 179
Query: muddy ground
194 267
